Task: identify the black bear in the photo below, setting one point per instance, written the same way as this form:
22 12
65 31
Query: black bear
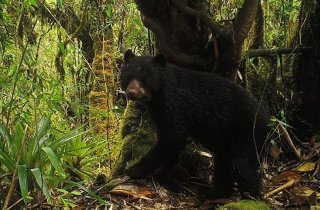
214 111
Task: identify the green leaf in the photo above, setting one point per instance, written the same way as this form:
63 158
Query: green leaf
5 133
41 182
68 137
7 160
62 48
75 192
43 126
138 23
108 10
63 191
33 3
37 139
60 3
91 193
23 181
54 160
18 139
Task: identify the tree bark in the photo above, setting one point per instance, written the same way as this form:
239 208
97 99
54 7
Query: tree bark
307 66
183 29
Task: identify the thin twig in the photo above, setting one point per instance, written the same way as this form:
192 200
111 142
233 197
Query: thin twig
286 135
288 184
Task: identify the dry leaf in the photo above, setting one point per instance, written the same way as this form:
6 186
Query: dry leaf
307 167
303 195
134 191
205 154
275 151
286 176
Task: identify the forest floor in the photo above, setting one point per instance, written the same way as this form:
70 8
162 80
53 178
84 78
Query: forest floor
293 184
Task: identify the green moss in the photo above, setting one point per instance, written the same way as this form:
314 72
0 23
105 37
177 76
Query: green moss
137 136
245 205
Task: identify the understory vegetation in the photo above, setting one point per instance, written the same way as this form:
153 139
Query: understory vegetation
61 104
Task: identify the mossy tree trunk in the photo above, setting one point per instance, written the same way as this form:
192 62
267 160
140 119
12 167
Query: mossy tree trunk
101 98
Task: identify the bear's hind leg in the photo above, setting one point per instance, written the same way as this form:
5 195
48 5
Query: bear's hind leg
223 181
246 173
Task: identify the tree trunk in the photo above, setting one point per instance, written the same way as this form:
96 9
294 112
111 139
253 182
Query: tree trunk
101 98
182 28
307 65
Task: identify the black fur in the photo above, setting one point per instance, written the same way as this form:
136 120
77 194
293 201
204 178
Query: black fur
216 112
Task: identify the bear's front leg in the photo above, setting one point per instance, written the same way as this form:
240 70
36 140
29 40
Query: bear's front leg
164 154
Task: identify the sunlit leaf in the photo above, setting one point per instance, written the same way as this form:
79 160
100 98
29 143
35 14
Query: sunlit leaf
108 10
307 167
33 3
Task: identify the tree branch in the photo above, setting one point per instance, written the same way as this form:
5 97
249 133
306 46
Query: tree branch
245 19
268 52
216 28
164 45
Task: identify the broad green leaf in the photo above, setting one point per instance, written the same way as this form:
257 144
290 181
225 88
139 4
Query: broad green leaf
23 181
43 126
6 160
54 160
41 182
37 139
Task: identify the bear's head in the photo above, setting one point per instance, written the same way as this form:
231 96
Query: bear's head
140 75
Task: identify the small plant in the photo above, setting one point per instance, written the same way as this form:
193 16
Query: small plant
34 157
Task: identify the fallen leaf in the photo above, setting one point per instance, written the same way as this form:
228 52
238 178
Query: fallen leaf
275 151
303 195
133 190
307 167
205 154
286 176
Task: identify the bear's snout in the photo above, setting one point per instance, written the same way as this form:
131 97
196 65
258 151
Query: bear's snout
135 90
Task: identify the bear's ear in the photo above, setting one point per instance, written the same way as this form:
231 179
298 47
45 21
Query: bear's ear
160 60
128 55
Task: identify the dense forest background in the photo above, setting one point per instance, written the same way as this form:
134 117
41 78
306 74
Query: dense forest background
61 104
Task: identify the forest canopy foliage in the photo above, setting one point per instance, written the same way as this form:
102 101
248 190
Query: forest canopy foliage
61 103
